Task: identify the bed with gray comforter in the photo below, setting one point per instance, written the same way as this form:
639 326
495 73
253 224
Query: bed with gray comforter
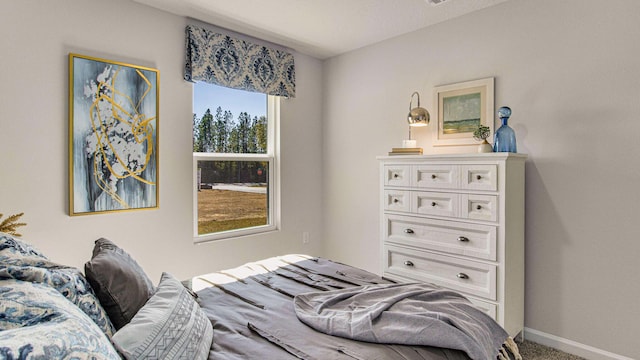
296 306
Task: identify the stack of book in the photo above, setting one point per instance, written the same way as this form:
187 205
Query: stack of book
405 151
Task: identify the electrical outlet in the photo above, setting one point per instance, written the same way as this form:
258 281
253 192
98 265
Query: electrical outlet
305 237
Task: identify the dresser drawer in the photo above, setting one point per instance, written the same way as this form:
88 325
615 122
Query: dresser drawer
479 207
435 203
397 175
397 200
473 240
479 177
489 308
435 176
474 278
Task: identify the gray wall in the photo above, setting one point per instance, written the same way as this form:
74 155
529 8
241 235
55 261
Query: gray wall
36 39
570 72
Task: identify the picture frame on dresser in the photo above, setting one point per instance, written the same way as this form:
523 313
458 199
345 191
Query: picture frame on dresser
113 136
460 108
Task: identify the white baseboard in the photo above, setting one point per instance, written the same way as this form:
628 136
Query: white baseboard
571 347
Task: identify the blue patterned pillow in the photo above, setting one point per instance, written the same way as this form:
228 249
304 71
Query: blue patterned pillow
170 326
39 323
10 243
23 263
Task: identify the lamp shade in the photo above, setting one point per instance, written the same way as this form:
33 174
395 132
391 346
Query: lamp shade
418 116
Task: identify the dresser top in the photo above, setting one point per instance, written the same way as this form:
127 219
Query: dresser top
470 156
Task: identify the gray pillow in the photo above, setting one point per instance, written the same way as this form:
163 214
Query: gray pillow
118 281
171 325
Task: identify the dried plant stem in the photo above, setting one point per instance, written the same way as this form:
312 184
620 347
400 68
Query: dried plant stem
10 224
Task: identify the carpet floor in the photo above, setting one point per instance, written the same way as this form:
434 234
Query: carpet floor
533 351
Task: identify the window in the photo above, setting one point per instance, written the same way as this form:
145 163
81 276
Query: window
234 163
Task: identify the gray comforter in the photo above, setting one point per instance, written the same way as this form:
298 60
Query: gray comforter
252 311
407 314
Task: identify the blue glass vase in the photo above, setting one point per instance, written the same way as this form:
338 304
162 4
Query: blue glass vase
505 138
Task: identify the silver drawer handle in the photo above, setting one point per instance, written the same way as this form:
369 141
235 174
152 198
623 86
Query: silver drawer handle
463 239
408 231
408 263
462 276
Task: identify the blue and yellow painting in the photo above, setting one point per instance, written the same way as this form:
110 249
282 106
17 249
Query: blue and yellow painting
113 136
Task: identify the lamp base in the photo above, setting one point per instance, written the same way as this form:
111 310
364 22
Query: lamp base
409 143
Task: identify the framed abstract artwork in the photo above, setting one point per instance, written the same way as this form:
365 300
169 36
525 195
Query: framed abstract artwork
461 108
113 136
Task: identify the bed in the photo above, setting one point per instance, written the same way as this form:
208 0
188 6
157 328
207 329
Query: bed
286 307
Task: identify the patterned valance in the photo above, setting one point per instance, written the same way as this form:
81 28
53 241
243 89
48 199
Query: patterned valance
223 60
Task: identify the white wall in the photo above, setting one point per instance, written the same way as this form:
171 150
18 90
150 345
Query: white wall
568 69
570 72
36 37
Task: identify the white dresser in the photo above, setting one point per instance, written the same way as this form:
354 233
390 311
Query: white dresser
458 221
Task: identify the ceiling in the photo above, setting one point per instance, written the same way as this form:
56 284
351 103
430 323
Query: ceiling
321 28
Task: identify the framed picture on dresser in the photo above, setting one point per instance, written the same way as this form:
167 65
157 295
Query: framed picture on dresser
461 107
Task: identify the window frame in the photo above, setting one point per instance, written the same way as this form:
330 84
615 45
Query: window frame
273 185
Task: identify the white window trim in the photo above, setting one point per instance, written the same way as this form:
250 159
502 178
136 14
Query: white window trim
272 156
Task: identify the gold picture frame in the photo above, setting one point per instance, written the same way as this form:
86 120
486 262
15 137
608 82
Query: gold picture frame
113 136
461 107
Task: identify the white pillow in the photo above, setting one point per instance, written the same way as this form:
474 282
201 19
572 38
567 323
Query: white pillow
171 325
